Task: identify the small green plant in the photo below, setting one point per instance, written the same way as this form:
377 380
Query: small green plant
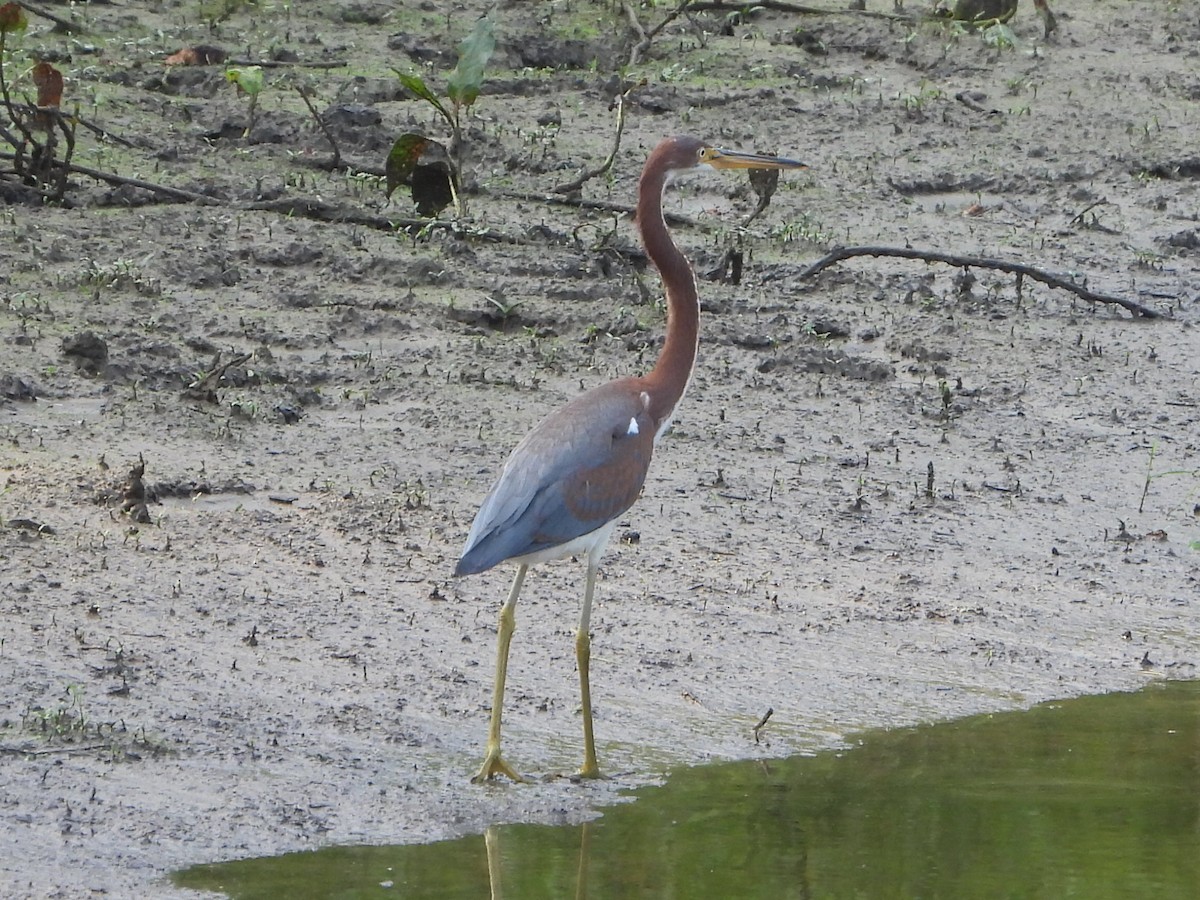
65 721
1148 259
415 493
999 36
1151 475
241 407
914 104
804 229
120 274
810 329
675 72
504 308
462 90
249 81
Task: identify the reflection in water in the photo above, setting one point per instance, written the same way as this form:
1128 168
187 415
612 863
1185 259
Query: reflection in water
492 838
1097 797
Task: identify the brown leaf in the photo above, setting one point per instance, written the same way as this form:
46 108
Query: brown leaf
49 83
185 57
200 55
403 158
12 18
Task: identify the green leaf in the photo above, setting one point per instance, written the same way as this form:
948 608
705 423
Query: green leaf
464 82
249 79
402 159
417 87
999 36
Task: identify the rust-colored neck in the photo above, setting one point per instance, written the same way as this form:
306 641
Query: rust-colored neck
667 381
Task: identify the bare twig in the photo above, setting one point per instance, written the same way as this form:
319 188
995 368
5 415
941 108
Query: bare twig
104 133
1021 270
337 153
643 42
164 190
588 174
1077 219
36 158
161 189
646 38
669 18
66 26
204 387
28 109
763 722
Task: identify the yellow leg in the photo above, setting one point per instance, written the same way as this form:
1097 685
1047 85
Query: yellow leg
583 657
493 763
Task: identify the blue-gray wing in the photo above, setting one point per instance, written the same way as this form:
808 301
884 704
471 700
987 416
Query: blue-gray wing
579 468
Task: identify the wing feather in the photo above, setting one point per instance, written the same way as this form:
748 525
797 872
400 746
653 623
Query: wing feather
579 468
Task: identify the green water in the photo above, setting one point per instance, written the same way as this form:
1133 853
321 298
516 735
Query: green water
1092 798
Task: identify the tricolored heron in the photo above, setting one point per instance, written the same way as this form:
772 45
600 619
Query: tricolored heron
581 467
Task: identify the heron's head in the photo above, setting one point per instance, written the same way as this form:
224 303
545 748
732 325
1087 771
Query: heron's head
682 152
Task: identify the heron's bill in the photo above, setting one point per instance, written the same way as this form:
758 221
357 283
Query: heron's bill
734 159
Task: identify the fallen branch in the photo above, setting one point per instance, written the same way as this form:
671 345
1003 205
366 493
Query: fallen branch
797 8
109 177
48 751
30 110
104 133
583 203
320 211
161 189
290 63
588 174
646 38
64 26
979 262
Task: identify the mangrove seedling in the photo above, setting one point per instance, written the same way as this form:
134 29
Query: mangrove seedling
249 81
463 84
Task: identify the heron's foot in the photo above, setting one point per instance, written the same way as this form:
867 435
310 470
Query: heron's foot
493 765
589 769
